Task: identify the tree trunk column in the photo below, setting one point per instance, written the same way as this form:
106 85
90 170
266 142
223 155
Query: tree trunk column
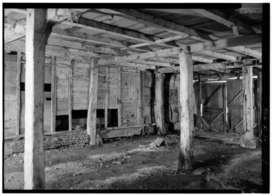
159 103
248 139
36 37
186 110
91 118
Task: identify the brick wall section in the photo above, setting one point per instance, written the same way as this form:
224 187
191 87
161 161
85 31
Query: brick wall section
51 141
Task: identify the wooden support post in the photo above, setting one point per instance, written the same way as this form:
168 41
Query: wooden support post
225 107
107 97
159 103
53 95
18 93
186 110
91 118
36 38
139 99
119 91
70 94
200 103
248 139
259 104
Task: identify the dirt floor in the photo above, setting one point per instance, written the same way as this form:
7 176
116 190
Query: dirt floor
133 164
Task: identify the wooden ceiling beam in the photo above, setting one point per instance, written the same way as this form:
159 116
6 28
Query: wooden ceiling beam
218 19
246 51
156 22
221 43
158 41
218 55
159 53
199 67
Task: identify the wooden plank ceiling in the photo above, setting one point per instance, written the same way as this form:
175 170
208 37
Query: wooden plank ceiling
122 34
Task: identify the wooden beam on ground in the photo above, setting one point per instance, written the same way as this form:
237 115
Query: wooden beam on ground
186 111
156 22
246 51
159 104
36 37
248 139
18 93
53 95
218 19
91 118
70 93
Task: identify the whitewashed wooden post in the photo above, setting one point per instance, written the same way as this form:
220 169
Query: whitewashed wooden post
186 110
91 118
159 101
248 139
36 38
53 94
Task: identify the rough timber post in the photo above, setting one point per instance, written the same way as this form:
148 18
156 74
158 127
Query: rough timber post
70 93
200 103
36 38
259 104
225 107
186 110
159 101
91 118
248 139
18 93
53 95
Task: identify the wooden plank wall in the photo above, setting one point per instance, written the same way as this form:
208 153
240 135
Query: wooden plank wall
130 91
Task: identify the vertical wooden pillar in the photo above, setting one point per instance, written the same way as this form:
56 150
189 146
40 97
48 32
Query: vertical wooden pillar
248 139
53 95
159 103
225 107
139 99
70 94
259 103
18 92
200 103
36 37
119 88
107 97
186 110
91 118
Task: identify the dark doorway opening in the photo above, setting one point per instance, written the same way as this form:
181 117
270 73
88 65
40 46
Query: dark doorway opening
100 118
112 117
62 123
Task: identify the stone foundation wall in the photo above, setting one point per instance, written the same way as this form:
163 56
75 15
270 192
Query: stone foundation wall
51 141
